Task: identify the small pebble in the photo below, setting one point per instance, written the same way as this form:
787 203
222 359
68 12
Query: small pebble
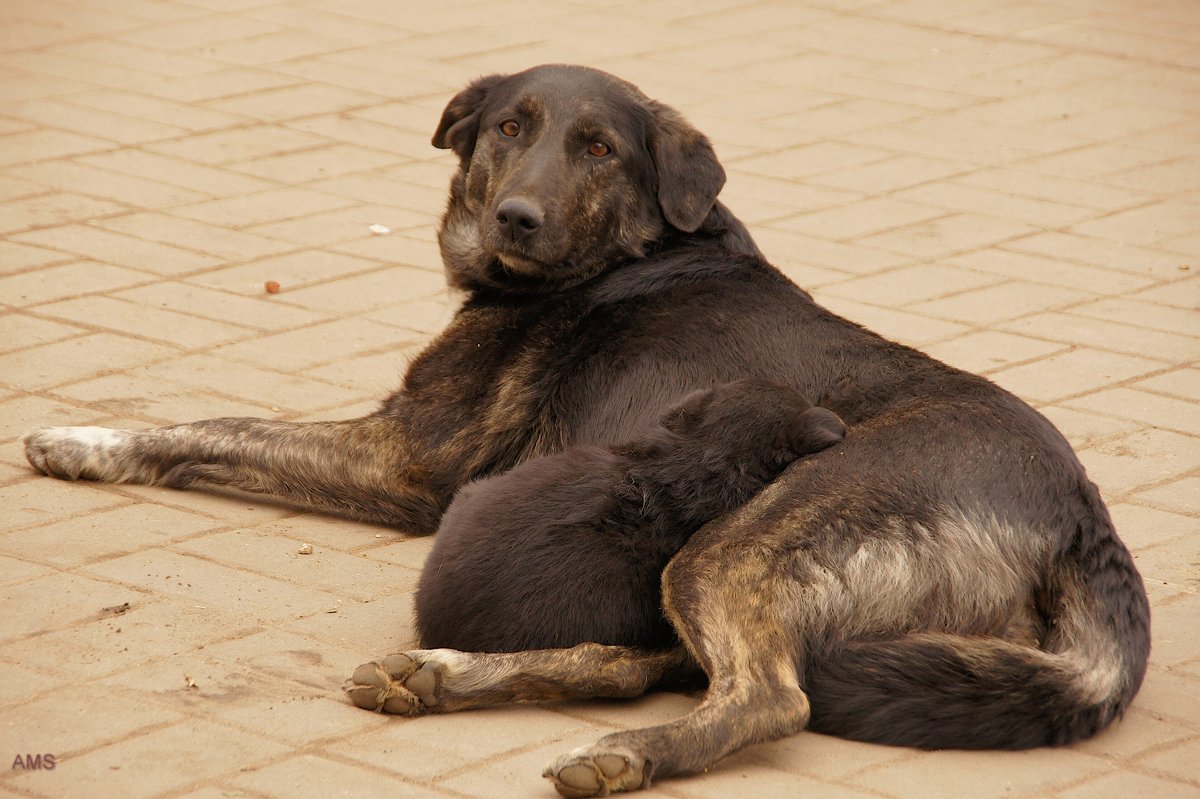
379 230
305 549
271 286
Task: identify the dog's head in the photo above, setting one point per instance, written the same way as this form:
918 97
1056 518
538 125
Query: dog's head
565 171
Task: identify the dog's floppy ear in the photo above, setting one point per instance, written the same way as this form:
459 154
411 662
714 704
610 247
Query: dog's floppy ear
460 121
684 417
689 175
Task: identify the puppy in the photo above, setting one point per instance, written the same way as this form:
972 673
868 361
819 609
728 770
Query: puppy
570 548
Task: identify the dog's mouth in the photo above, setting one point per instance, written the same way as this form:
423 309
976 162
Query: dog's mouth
521 265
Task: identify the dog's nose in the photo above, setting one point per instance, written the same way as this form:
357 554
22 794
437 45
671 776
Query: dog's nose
518 219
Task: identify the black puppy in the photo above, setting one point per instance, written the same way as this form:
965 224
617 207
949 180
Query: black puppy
570 548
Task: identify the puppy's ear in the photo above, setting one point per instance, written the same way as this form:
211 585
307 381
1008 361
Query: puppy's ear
689 175
460 121
817 429
684 417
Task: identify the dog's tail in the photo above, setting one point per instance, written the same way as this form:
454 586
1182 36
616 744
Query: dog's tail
941 691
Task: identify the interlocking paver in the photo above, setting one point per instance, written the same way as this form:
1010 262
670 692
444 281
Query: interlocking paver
1137 459
1082 428
1030 772
342 226
52 209
1183 383
1153 409
66 280
1117 786
26 412
290 271
18 331
83 539
238 144
57 363
108 645
53 724
1182 496
54 601
210 239
1144 527
146 321
1101 334
268 206
19 683
113 248
908 328
948 235
911 284
988 350
316 777
134 191
251 594
1000 302
45 144
439 747
319 344
362 625
156 762
1013 186
266 387
1037 269
344 575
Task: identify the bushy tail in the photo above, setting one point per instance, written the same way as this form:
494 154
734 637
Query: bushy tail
940 691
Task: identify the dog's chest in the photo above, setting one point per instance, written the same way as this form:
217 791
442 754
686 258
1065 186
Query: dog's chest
489 387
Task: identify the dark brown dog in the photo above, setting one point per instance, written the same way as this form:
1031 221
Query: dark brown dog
947 576
569 548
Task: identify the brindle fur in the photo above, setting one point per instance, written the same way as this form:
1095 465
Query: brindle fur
946 576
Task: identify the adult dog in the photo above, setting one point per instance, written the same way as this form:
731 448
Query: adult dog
946 576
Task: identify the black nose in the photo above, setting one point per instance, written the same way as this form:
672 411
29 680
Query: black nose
518 219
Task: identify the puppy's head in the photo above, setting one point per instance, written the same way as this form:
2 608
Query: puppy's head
755 423
565 171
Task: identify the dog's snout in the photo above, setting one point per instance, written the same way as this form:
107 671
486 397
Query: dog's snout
518 219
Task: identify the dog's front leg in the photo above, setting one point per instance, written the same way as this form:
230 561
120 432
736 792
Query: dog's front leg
358 468
445 680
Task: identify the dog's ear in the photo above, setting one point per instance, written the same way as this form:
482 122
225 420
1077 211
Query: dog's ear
689 175
460 121
684 417
817 429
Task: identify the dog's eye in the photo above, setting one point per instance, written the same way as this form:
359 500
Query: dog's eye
510 128
599 149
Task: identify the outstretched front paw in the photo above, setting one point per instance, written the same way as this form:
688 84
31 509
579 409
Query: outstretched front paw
400 684
73 452
598 771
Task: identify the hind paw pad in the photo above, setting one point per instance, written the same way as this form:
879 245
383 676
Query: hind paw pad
597 772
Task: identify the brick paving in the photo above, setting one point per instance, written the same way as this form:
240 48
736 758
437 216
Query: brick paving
1012 186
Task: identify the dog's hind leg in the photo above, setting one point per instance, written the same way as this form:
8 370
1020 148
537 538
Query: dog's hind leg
356 468
723 601
445 680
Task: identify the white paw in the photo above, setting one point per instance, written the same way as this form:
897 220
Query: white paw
73 452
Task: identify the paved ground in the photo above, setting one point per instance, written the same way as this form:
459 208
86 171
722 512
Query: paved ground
1013 186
